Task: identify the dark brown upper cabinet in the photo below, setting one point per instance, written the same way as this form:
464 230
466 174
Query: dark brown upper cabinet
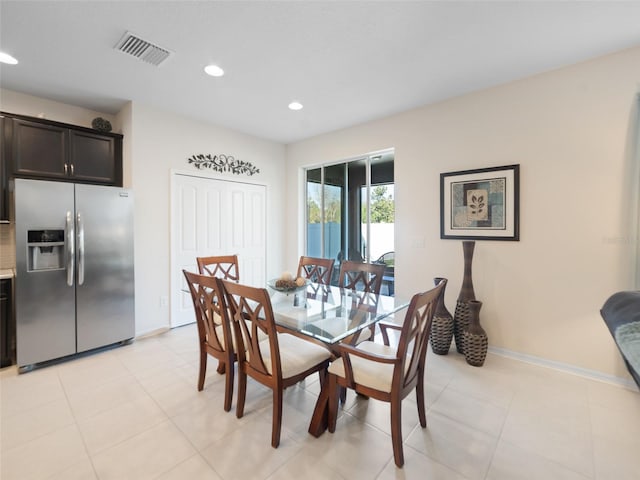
92 157
4 194
49 150
39 149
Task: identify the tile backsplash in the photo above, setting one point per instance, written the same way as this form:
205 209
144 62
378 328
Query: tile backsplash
7 246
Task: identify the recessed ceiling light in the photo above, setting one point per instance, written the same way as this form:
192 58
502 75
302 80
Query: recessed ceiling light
6 58
214 70
295 106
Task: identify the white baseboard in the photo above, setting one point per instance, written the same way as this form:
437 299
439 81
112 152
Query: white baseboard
151 333
566 368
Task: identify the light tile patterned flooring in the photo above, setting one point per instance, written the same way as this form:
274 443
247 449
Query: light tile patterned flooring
134 413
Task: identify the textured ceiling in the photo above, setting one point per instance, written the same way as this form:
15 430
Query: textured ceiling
347 62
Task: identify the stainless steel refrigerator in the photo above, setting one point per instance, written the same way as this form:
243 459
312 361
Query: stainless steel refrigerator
74 268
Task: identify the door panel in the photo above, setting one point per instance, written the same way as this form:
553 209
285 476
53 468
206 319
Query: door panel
45 303
237 219
213 212
105 296
254 247
214 217
188 206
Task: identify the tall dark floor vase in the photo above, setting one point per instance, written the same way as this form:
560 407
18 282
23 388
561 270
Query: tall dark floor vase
462 314
474 337
441 326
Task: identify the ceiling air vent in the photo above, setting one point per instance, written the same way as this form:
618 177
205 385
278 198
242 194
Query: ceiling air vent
146 51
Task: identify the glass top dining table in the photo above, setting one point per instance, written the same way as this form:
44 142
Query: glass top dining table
330 314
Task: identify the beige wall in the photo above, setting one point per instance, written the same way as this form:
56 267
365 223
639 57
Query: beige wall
569 130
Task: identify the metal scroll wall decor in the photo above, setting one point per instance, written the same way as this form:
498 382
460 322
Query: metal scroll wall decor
223 164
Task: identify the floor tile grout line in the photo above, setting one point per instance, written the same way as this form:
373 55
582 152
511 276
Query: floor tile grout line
77 425
91 456
591 431
546 459
171 419
499 439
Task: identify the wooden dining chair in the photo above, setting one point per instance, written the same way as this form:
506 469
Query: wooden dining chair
318 270
223 266
277 361
364 277
215 335
385 372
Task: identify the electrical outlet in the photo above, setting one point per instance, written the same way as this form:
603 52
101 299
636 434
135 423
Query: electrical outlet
164 301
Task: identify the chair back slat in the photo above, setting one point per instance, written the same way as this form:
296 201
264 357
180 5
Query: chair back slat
318 270
210 310
252 314
366 277
223 266
414 337
362 302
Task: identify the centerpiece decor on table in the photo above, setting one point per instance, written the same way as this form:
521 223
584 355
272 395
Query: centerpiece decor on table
287 284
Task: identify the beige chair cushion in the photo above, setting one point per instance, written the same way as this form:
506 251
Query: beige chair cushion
363 335
367 372
296 354
218 321
220 334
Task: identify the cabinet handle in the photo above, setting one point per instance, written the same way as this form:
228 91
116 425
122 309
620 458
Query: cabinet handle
66 167
72 170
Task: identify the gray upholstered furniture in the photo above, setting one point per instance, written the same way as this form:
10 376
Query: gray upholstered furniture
621 313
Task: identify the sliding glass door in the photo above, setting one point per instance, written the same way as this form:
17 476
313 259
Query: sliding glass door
350 210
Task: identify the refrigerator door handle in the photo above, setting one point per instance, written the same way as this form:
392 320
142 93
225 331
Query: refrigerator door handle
70 243
80 250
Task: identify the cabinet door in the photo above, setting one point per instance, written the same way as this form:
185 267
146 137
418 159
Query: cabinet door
39 150
4 211
92 158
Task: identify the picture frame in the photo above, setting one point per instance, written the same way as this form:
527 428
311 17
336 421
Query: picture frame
481 204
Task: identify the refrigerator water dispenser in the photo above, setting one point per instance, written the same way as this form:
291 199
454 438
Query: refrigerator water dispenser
45 250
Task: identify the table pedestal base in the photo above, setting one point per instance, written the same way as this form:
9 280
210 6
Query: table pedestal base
320 417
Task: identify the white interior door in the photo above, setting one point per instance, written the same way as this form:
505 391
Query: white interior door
214 217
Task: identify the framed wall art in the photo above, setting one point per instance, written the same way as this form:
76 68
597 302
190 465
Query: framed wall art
480 204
